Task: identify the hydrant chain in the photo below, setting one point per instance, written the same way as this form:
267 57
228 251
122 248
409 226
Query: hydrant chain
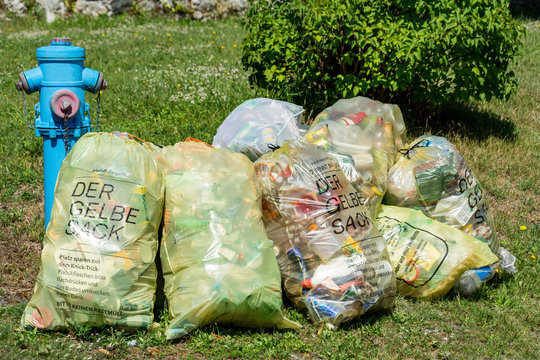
66 128
98 108
25 111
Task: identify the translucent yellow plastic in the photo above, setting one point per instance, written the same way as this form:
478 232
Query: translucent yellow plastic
428 256
332 258
218 264
97 264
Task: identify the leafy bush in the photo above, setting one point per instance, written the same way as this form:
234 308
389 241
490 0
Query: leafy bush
418 54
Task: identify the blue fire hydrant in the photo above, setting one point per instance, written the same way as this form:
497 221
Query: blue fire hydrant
61 114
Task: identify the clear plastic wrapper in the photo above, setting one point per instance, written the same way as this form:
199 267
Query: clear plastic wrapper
363 135
429 257
218 263
433 176
258 126
97 264
332 258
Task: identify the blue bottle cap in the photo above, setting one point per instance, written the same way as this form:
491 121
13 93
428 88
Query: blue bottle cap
60 49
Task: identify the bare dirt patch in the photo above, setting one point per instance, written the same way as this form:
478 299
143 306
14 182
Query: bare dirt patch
21 235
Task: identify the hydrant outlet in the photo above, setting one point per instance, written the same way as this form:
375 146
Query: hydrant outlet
22 84
65 103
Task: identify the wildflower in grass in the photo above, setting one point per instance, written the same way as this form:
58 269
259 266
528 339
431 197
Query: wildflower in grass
144 82
178 85
169 35
534 257
102 35
234 45
222 47
136 34
144 38
118 99
170 40
522 227
234 27
190 39
214 32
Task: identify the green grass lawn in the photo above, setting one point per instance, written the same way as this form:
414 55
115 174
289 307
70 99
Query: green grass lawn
169 80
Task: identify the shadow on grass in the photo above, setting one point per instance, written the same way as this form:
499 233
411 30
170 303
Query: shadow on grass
367 320
467 121
525 9
484 291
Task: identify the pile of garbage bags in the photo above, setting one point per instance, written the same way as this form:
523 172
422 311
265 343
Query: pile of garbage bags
341 216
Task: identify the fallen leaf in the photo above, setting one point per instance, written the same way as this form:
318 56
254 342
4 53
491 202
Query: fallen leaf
103 351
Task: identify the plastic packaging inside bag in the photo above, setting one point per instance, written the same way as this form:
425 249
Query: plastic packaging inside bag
433 176
473 279
428 256
218 264
258 126
97 264
363 135
332 258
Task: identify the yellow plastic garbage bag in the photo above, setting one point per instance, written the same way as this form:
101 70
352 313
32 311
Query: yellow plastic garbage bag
218 264
332 258
97 264
433 176
363 135
428 256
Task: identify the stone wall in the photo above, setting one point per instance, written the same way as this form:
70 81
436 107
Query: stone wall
196 9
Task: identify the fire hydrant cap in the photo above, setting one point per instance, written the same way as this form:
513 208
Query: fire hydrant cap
60 41
60 48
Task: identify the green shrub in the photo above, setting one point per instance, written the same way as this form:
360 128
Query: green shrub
418 54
